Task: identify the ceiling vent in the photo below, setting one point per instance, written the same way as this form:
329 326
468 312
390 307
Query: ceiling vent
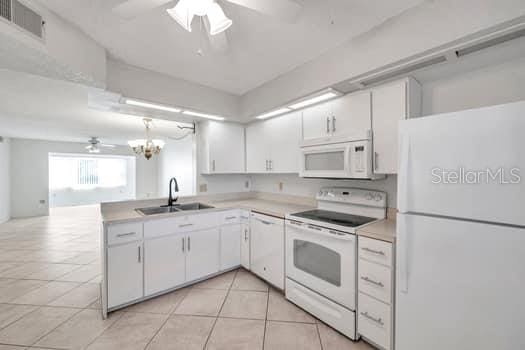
22 16
489 43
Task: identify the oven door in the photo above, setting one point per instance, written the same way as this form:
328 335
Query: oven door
328 161
323 260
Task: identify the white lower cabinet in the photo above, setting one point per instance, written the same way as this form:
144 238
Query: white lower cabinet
267 248
376 288
245 246
124 273
202 253
230 246
164 263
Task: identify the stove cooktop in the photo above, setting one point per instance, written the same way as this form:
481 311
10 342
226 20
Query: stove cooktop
335 218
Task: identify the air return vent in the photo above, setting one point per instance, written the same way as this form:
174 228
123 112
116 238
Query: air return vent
404 70
21 15
489 43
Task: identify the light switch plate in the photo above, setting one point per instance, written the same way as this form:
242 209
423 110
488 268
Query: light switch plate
203 188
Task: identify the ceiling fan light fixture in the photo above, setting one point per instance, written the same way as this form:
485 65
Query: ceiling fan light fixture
182 13
218 20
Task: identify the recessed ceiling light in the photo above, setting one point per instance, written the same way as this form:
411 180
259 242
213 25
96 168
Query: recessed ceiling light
203 115
323 96
138 103
273 113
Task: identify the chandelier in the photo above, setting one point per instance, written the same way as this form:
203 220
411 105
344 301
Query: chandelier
148 146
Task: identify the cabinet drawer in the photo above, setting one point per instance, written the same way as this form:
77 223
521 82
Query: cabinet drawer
376 251
375 280
178 224
122 233
374 321
229 217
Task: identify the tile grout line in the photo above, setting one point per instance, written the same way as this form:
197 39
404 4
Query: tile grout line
266 316
220 309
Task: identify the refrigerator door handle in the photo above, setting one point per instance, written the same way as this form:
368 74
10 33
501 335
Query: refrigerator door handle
402 251
404 153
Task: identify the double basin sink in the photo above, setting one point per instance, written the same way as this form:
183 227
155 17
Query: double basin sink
172 209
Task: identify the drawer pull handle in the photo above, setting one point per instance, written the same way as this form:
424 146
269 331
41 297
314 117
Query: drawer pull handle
264 222
186 225
379 321
373 251
314 228
231 217
126 234
369 280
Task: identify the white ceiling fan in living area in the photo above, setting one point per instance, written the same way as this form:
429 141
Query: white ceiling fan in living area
210 12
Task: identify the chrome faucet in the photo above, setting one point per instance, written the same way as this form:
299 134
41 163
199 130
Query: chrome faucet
172 200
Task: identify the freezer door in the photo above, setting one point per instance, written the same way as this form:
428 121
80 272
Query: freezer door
460 285
458 164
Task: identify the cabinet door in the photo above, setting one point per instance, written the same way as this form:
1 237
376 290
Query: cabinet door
202 253
284 134
226 147
245 246
267 248
316 121
351 114
257 148
230 246
125 273
389 107
164 263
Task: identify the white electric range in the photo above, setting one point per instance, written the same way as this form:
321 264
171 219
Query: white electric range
321 253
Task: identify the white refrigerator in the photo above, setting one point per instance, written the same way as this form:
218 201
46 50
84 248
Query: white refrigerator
460 258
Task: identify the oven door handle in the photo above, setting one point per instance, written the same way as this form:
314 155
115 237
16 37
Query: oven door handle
321 231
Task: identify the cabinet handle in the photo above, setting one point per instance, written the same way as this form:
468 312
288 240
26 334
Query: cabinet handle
139 257
373 251
185 225
183 244
369 280
266 164
371 318
189 243
327 125
375 160
126 234
333 123
271 164
245 235
264 222
213 165
231 217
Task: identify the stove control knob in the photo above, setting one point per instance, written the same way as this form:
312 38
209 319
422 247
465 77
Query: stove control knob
378 197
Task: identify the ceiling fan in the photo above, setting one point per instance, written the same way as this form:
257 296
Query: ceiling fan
211 13
94 145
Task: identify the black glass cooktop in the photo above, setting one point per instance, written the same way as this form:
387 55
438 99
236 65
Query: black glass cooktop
335 218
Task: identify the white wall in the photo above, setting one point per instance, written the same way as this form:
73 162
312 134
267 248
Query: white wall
5 192
177 159
30 174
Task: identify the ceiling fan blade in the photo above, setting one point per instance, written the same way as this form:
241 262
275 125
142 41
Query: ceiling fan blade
107 145
286 10
132 8
218 42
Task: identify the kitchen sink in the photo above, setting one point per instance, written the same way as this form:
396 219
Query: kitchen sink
173 209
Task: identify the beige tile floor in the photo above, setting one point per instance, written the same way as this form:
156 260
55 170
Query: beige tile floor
49 299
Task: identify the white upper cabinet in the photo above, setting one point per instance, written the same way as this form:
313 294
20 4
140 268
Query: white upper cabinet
351 114
222 147
272 146
338 118
390 104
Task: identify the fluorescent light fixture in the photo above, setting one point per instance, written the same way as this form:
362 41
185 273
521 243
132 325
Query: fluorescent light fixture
273 113
132 102
203 115
323 96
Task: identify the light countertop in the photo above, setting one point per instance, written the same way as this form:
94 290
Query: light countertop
384 230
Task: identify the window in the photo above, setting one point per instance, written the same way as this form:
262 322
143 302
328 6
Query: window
86 172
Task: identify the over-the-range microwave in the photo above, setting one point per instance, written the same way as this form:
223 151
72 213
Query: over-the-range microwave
341 158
